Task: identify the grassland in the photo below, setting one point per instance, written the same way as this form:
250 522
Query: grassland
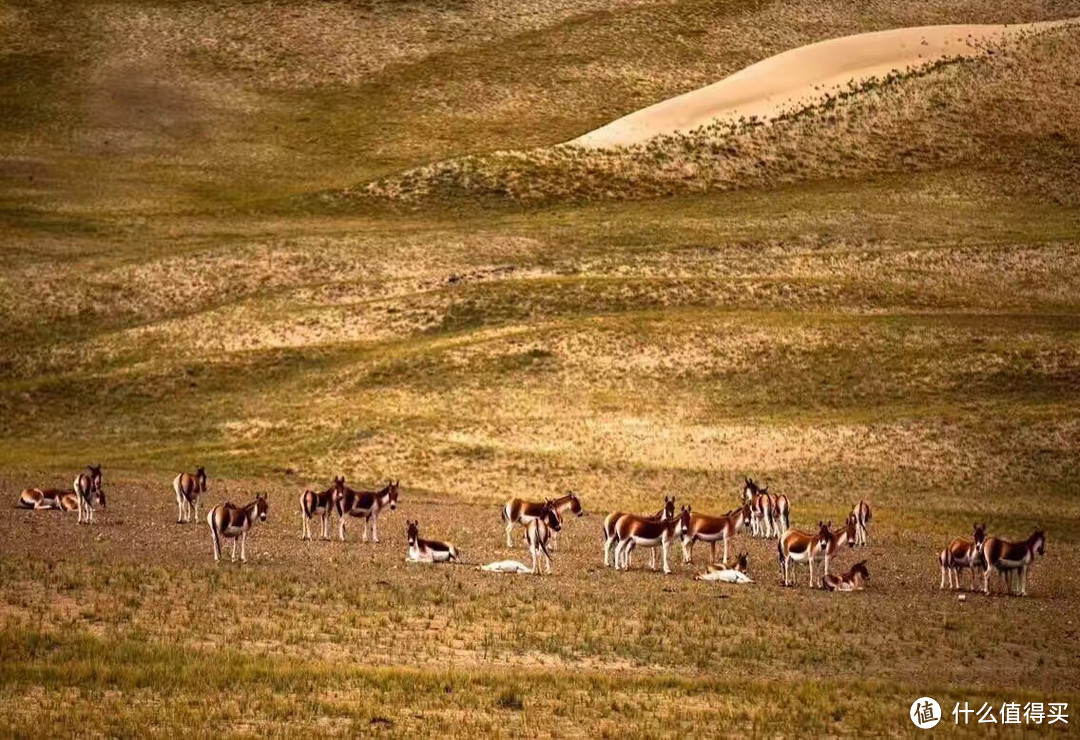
194 271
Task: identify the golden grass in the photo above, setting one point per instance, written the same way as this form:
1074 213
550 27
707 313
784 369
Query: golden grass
900 329
946 115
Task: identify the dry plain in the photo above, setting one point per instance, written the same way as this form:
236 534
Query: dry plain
223 243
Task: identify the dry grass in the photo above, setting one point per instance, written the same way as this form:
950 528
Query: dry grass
947 115
298 636
900 330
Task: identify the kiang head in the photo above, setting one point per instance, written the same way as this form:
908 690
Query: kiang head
575 504
684 517
412 531
550 515
749 488
337 490
392 492
200 478
824 536
669 508
860 569
95 476
1038 542
262 506
849 529
979 535
742 563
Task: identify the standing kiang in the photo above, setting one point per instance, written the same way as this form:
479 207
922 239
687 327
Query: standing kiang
188 488
366 505
1012 559
519 511
797 546
611 535
632 531
234 522
88 493
540 531
963 553
321 503
713 529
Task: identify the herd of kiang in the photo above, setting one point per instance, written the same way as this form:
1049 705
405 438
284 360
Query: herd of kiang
760 513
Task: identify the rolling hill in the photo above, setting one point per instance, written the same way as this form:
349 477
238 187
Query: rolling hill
291 240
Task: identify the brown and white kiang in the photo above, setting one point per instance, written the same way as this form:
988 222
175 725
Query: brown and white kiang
234 522
187 488
796 546
845 535
713 529
854 580
963 553
519 511
611 538
633 531
838 538
539 532
88 493
1012 558
738 573
862 513
781 514
761 508
321 503
568 503
366 505
427 551
47 498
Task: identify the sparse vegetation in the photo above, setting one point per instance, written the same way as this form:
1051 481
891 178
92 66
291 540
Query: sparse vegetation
894 124
878 299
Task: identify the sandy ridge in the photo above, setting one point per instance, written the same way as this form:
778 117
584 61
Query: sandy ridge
801 76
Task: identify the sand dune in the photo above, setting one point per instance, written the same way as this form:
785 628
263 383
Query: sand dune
801 76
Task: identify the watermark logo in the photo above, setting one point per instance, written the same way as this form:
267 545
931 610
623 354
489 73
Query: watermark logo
925 713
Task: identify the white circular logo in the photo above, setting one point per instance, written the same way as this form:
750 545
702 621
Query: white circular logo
925 713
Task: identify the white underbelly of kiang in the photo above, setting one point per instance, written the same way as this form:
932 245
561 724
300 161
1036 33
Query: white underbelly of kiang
1010 564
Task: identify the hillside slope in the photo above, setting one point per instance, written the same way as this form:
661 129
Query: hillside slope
877 300
1012 111
137 107
800 78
